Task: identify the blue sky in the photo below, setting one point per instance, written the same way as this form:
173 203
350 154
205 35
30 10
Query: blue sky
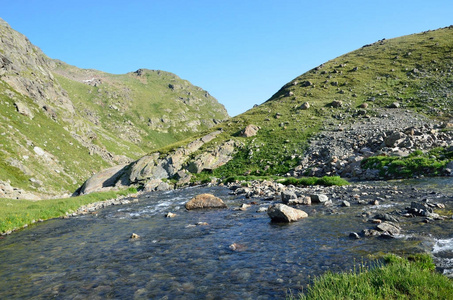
242 52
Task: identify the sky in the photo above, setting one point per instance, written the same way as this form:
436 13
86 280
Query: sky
241 52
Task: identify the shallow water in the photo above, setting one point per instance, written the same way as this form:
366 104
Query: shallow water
92 256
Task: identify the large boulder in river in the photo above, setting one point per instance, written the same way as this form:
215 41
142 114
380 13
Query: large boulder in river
205 201
284 213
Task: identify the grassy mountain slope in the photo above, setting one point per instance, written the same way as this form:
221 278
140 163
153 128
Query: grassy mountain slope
416 71
60 124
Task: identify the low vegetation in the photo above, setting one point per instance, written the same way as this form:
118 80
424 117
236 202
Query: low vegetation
394 278
431 163
19 213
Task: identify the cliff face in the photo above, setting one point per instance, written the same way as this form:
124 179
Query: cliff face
60 124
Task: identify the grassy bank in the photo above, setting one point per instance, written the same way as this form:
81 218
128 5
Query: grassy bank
395 278
19 213
431 163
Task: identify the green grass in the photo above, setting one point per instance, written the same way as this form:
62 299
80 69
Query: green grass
431 163
396 278
17 213
324 181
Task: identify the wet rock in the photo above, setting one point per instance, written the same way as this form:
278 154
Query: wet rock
345 203
354 235
389 228
284 213
288 195
300 201
170 215
134 236
386 217
237 247
204 201
319 198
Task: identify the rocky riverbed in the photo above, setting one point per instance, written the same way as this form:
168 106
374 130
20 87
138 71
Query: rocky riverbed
151 246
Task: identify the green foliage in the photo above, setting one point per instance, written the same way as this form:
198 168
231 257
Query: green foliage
431 163
307 181
17 213
398 278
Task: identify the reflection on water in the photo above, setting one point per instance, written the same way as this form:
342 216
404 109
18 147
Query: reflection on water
93 257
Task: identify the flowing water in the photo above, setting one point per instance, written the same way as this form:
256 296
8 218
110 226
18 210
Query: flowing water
92 256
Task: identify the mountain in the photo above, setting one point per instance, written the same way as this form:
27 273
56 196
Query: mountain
61 124
388 98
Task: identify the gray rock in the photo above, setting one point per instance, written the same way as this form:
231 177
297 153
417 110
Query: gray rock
345 203
23 110
389 228
102 180
319 198
283 213
288 195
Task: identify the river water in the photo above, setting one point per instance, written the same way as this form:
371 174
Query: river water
189 256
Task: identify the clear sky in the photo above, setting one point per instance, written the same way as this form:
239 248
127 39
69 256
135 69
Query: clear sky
240 51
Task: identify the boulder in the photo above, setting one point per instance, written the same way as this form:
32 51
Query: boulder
203 201
104 179
250 130
284 213
287 196
23 110
319 198
389 228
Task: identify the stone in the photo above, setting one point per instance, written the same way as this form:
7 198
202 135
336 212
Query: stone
134 236
345 203
389 228
204 201
23 110
170 215
305 106
102 180
319 198
364 105
284 213
354 235
337 103
250 130
39 151
288 195
394 105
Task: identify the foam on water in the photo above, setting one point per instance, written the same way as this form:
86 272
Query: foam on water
444 245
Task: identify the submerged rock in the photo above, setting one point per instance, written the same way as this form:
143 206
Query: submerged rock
284 213
205 201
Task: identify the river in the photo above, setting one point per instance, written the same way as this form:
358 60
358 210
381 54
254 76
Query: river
189 256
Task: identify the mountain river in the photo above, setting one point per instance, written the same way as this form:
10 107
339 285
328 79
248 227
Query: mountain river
190 256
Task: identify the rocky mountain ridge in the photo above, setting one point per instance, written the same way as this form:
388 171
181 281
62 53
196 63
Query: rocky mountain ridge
61 124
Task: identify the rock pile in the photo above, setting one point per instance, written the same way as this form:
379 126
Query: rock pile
393 133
